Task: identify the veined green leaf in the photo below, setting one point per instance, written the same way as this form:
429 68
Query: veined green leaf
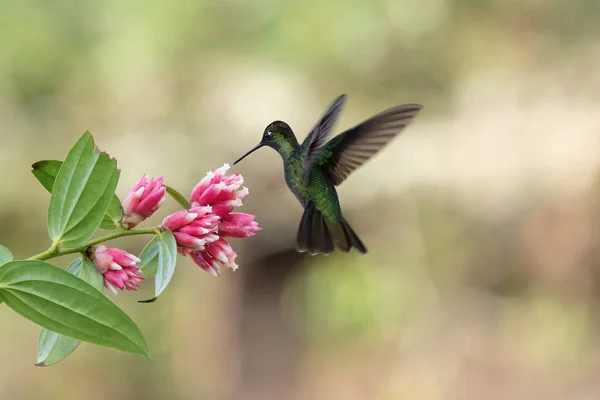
5 255
167 258
81 193
114 214
65 304
45 171
163 255
90 274
86 269
149 258
54 347
178 197
75 267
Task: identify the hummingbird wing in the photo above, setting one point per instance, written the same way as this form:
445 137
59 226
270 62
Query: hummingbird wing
315 140
351 149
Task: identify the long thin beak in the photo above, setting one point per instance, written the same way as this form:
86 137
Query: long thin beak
252 150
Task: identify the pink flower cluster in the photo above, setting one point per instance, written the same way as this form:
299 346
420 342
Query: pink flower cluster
143 200
200 231
118 267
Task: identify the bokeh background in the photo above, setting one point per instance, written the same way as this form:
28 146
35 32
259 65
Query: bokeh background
482 220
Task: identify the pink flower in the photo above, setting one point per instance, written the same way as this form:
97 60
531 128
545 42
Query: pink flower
206 262
223 193
217 254
193 228
143 200
238 225
221 250
118 267
199 231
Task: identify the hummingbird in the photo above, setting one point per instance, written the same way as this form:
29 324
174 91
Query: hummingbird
314 168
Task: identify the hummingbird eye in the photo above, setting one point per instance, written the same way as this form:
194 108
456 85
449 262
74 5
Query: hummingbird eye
269 133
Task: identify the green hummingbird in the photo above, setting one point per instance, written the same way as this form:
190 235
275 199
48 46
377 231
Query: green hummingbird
314 168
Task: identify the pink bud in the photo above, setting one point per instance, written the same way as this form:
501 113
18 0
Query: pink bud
238 225
118 267
178 219
143 200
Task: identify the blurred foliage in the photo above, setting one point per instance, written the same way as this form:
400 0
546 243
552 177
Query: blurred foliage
482 276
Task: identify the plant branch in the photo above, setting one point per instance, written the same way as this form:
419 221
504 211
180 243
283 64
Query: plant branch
56 251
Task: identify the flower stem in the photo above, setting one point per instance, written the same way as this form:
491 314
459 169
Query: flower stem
56 251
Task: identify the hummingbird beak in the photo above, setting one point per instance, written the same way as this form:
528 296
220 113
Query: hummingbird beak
252 150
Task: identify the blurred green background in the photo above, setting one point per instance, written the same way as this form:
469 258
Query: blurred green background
482 220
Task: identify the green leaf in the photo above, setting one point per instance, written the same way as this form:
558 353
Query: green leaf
5 255
46 171
149 258
54 347
65 304
90 274
178 197
87 271
167 258
114 214
75 267
162 255
81 193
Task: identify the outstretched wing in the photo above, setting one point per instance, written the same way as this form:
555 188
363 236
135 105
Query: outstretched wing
313 143
351 149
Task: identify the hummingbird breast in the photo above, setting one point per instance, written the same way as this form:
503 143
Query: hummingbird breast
319 188
294 177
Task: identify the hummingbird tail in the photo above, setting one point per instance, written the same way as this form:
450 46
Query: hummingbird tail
349 239
314 235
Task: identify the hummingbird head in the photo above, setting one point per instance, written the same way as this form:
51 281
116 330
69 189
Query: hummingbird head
277 135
